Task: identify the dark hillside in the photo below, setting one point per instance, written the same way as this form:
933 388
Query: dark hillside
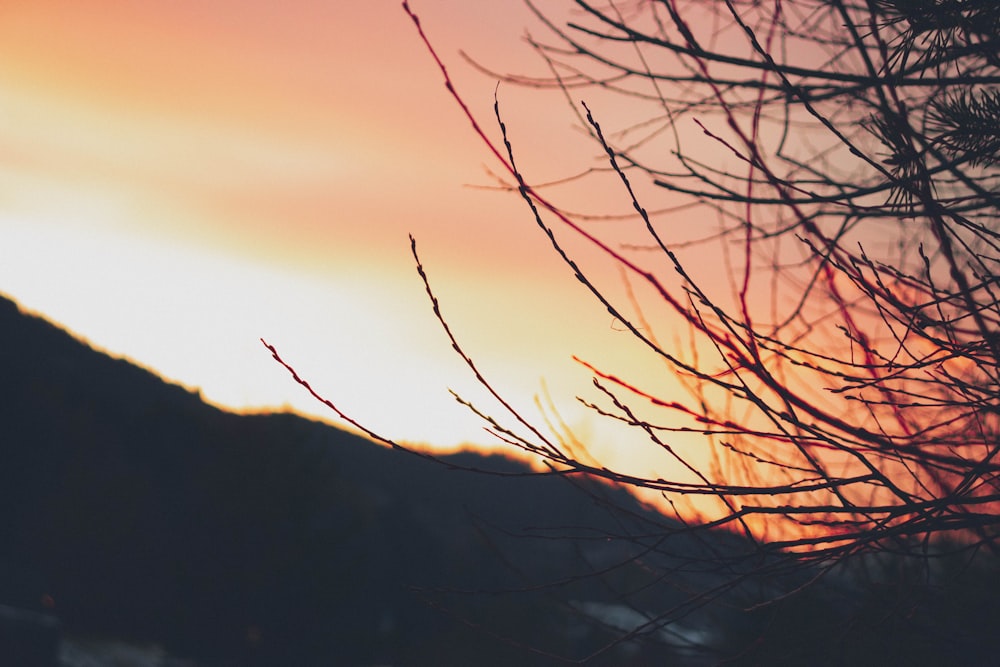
131 508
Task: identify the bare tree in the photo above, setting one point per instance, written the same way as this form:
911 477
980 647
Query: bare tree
841 159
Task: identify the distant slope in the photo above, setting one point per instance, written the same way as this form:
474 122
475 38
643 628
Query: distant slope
132 508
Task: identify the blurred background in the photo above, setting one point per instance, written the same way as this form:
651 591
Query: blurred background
178 180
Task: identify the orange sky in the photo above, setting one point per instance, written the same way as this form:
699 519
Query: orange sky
179 179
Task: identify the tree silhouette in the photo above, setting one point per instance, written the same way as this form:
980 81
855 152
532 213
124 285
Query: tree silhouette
840 161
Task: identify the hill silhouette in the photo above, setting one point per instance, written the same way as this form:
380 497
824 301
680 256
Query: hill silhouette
131 508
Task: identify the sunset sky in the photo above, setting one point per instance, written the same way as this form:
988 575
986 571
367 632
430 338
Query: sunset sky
181 179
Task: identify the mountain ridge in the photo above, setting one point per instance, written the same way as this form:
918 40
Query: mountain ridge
131 507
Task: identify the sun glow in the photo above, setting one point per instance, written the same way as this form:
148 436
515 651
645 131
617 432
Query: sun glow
174 203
